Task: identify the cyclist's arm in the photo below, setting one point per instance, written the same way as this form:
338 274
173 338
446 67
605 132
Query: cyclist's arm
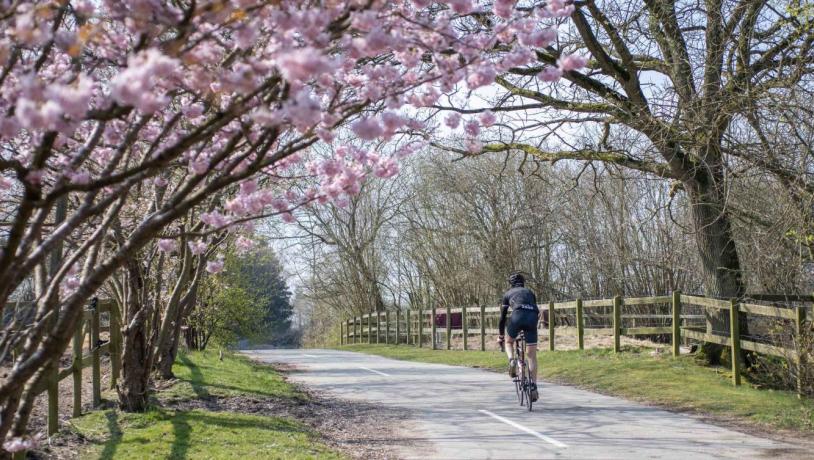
501 325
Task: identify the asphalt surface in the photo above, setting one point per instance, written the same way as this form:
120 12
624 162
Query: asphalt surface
465 413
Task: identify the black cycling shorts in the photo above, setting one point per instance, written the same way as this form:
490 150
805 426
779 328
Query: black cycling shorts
524 320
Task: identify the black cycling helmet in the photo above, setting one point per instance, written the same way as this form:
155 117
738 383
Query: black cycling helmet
516 279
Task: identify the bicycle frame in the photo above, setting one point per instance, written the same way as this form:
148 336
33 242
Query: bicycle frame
523 380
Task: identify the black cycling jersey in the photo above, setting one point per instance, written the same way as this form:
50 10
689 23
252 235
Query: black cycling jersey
518 298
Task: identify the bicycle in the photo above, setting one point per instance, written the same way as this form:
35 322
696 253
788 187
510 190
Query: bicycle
522 381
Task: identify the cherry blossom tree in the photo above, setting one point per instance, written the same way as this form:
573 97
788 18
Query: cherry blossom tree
120 117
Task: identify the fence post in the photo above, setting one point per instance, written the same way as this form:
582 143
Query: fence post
115 345
409 327
735 340
580 325
799 319
676 323
387 326
465 328
551 325
398 325
483 327
76 364
617 323
449 328
434 328
96 372
369 328
420 327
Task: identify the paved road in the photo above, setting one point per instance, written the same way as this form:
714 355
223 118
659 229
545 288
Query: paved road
466 413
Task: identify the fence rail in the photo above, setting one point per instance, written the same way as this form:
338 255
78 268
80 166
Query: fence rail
88 331
420 324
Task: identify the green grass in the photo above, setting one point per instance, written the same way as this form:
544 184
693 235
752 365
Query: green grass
677 383
201 374
181 434
196 434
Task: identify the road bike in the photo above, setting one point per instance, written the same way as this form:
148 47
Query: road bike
522 380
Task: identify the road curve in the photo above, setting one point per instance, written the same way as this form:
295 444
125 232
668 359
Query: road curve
465 413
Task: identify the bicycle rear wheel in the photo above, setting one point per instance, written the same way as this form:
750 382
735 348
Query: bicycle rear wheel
527 385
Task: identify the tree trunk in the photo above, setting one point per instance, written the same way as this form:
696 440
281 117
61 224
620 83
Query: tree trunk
136 362
720 264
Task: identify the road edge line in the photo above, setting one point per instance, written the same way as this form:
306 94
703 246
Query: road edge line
520 427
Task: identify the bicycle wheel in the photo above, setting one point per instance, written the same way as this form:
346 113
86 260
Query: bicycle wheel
519 366
518 383
528 391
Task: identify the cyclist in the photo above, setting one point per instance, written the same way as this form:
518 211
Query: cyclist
524 317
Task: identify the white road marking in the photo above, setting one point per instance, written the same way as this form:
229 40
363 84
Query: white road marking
374 371
310 356
520 427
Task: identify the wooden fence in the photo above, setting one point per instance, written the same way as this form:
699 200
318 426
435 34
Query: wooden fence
415 325
87 332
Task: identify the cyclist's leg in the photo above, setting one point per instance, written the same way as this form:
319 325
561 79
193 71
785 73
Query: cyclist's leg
530 330
509 347
512 330
531 358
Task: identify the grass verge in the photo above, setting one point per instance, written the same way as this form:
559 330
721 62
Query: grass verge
178 433
676 383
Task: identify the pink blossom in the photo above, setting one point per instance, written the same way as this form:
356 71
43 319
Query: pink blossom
193 111
199 165
303 110
244 244
367 129
214 219
571 62
472 128
484 76
504 8
34 177
303 64
539 38
392 122
474 146
84 7
197 247
5 183
79 178
487 118
137 84
460 6
19 444
329 168
9 127
279 204
453 120
73 99
160 182
386 168
167 245
248 187
325 135
214 266
246 36
288 217
550 74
